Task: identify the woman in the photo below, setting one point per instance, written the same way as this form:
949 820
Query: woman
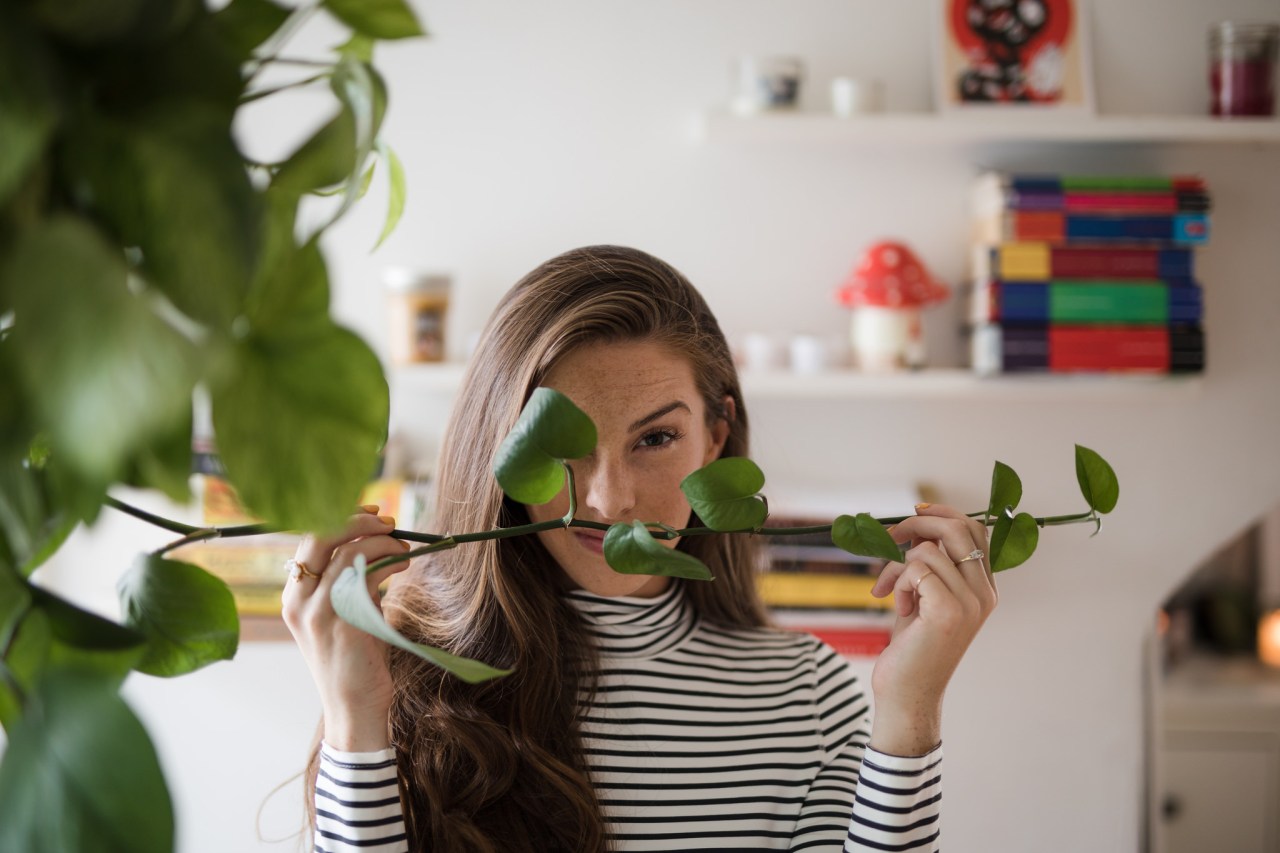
643 713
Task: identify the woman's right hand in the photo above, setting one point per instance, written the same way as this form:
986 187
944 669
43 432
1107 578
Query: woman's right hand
348 665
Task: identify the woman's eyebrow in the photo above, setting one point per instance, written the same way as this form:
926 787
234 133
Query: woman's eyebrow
653 416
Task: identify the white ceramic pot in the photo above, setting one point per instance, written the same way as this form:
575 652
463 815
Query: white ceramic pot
886 339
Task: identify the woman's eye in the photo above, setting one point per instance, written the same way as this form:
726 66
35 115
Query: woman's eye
658 438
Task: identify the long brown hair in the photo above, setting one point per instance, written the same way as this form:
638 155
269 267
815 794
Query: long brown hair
498 766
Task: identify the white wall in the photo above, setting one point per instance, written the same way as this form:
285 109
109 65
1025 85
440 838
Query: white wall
531 128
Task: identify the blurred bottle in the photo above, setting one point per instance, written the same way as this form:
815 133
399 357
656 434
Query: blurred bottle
1242 63
419 302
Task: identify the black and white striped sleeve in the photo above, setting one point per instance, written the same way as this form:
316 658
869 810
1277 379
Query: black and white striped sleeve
358 803
898 804
863 799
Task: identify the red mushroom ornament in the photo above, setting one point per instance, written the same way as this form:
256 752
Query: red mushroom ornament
886 291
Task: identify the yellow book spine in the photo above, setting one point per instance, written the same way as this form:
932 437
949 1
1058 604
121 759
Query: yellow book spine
1025 261
257 601
810 589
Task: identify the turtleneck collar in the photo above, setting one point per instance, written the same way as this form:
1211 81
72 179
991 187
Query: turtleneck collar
628 626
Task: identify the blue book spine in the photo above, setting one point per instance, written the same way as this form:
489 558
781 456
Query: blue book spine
1191 228
1023 302
1175 263
1183 228
1186 304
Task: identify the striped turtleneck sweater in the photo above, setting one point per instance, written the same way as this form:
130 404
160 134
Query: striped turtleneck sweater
698 738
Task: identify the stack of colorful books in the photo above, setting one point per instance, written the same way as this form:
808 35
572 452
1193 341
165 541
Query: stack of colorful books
810 585
1088 274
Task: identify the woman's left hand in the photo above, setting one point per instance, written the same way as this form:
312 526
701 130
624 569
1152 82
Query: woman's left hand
942 597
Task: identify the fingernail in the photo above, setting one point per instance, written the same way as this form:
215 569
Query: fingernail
387 519
406 545
922 506
889 529
371 508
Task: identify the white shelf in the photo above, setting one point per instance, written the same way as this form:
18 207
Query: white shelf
431 378
950 384
958 384
983 127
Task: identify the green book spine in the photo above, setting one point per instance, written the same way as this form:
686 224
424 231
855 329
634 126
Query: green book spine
1109 302
1150 183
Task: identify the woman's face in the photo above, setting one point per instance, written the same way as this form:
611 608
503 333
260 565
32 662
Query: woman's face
652 432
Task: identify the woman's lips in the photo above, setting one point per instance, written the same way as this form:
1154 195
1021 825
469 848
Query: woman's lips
593 541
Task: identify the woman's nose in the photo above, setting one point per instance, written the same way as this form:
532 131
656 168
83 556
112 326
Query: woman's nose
608 489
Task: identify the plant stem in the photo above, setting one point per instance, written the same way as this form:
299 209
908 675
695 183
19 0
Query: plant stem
174 526
519 530
198 536
234 531
1053 520
296 19
573 495
296 61
443 545
1046 521
435 542
250 97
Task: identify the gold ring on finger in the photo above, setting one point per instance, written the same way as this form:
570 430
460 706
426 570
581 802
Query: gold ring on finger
921 580
298 570
975 554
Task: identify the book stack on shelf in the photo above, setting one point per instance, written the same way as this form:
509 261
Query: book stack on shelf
813 586
810 585
1088 274
252 567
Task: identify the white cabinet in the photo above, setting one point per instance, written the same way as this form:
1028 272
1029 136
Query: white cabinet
1219 776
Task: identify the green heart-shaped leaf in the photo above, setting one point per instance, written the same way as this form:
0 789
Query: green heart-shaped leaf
1013 541
15 599
299 422
380 19
328 157
1006 490
171 181
395 191
81 774
289 294
351 601
1097 479
28 651
27 100
364 93
861 534
187 615
245 24
164 463
529 465
33 524
102 370
359 45
631 550
87 642
724 494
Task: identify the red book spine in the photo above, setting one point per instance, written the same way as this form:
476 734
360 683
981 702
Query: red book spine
1100 349
1092 263
1049 226
1121 202
853 642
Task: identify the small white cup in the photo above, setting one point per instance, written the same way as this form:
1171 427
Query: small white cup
852 96
763 351
810 354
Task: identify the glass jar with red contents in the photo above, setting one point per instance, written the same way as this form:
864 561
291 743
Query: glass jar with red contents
1242 65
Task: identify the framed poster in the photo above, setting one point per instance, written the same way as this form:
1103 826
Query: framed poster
1010 55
